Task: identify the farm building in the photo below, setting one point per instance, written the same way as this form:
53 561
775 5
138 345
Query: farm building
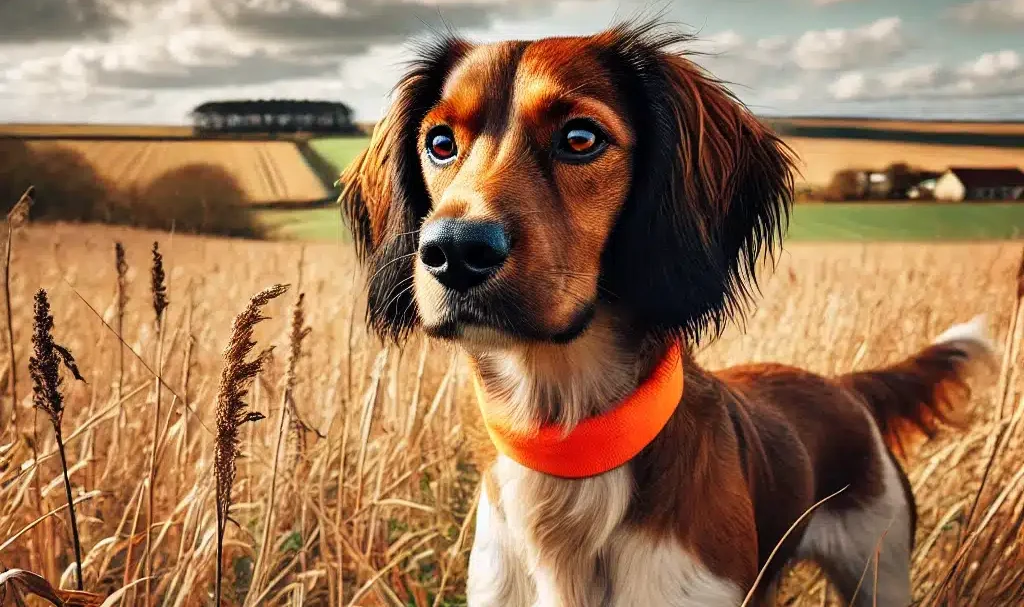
968 183
272 116
896 182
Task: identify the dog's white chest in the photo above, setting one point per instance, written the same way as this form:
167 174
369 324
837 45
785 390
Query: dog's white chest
564 543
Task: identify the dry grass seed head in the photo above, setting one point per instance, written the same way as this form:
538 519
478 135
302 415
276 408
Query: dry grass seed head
159 287
234 384
44 364
297 335
121 264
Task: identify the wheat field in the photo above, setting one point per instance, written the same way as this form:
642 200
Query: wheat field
372 474
821 158
266 171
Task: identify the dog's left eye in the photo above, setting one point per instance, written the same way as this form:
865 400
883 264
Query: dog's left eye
440 145
579 140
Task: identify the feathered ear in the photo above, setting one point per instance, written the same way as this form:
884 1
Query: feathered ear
384 197
711 192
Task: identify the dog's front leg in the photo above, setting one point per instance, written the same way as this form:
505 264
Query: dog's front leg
497 574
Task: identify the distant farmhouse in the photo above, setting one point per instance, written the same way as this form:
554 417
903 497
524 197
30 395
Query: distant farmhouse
272 116
897 182
900 182
962 183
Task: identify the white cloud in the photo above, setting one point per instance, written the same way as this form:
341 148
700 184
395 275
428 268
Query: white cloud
851 85
1001 64
999 13
152 60
991 74
838 49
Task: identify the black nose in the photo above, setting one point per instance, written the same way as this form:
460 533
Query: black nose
461 254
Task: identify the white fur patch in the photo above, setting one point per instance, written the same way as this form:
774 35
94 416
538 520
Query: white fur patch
973 331
847 543
563 543
497 572
649 572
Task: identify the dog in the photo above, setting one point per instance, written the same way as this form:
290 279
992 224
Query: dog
578 214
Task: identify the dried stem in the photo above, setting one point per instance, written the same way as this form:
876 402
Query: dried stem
44 369
296 335
17 216
232 411
160 303
121 265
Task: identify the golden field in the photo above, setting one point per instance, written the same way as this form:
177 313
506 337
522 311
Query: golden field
919 126
266 171
93 130
378 511
821 158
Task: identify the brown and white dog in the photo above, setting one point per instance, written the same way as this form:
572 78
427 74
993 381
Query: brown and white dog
568 210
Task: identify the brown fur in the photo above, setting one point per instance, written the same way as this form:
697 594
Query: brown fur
654 240
912 398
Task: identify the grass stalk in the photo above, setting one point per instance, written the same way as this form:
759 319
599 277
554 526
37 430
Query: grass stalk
232 411
298 332
159 290
44 369
121 266
17 217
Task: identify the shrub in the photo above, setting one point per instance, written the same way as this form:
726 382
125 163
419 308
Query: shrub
844 186
67 185
198 198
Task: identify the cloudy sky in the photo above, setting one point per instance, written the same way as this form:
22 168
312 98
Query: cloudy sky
150 61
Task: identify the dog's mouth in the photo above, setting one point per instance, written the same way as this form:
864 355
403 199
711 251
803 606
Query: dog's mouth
464 317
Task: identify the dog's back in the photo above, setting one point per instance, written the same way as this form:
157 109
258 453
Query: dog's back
807 438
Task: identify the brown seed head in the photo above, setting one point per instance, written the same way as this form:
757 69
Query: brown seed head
234 385
122 274
158 287
44 364
297 335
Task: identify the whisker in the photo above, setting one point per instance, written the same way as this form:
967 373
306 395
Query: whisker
393 261
402 292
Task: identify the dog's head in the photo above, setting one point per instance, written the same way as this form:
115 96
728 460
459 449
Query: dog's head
515 189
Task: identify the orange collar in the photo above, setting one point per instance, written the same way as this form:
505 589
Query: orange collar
600 443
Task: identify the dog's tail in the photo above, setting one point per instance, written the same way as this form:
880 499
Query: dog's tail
911 398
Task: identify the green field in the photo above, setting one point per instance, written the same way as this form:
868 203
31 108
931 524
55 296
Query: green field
311 225
897 221
810 222
339 151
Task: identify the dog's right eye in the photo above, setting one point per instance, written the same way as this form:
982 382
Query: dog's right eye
580 140
440 144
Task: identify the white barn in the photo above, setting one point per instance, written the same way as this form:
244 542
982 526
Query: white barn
968 183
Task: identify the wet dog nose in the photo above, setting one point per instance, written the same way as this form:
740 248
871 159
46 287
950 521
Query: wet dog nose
461 254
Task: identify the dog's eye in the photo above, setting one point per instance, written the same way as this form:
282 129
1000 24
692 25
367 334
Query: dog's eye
440 145
579 140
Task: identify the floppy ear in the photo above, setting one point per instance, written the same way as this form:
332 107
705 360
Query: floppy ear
384 198
711 192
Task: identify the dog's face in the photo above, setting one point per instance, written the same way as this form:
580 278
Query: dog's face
527 161
515 189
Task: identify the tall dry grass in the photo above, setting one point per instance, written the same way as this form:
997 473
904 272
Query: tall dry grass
378 512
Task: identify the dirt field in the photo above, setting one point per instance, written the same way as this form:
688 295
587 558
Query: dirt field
988 128
377 512
821 158
268 171
94 130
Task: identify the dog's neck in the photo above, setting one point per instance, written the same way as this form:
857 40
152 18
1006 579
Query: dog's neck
534 384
